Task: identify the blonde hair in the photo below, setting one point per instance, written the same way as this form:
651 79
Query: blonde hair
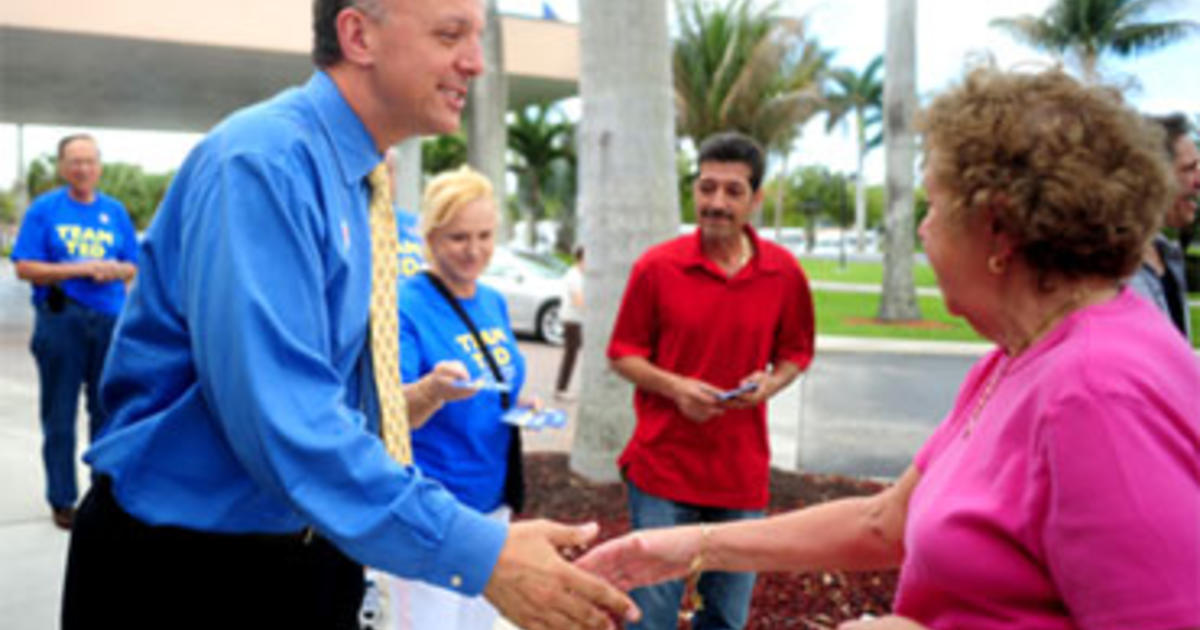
1076 177
446 194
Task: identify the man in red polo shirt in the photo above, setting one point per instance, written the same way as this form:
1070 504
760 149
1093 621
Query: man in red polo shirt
703 314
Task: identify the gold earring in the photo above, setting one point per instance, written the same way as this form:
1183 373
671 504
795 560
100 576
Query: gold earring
996 264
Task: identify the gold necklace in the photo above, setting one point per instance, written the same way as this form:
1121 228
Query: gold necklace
987 393
1076 299
747 251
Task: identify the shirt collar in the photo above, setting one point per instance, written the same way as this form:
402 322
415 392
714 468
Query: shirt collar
694 254
353 148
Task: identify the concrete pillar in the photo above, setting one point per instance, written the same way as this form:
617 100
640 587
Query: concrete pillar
22 190
408 175
487 130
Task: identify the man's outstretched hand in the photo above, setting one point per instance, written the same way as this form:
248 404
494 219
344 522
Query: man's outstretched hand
535 588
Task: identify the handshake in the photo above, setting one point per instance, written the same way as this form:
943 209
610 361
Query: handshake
534 586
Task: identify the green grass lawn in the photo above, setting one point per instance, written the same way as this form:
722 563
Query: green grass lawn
853 315
860 272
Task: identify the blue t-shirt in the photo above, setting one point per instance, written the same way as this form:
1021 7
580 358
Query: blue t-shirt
411 254
58 229
238 388
465 444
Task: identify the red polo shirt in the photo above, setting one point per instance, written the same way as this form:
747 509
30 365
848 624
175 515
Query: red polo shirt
683 314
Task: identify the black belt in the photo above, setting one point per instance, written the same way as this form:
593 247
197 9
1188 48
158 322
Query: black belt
102 488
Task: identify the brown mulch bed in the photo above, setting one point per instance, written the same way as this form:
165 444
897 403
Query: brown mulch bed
781 600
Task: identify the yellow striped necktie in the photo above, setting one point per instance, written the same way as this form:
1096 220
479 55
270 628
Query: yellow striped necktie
385 327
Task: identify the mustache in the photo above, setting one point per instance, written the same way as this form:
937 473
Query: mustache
716 213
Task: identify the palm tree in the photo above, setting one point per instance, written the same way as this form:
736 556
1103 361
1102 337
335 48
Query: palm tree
899 299
753 71
539 136
42 175
443 153
861 95
1085 30
628 198
736 68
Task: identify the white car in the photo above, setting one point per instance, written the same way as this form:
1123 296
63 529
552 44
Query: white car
532 284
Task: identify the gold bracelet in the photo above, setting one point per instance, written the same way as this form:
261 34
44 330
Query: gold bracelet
692 586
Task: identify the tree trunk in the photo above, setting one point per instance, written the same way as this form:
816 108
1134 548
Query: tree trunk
780 189
487 130
1089 62
21 189
860 197
533 212
899 299
408 175
628 197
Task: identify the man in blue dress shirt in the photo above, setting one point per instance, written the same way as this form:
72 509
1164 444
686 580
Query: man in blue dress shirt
242 412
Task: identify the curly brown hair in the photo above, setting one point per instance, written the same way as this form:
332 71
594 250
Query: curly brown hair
1077 178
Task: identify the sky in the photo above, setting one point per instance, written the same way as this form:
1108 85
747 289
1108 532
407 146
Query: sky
948 33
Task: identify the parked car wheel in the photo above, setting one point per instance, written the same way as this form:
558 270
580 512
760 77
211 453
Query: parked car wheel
549 325
531 284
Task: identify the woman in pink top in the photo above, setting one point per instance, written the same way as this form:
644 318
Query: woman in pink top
1063 488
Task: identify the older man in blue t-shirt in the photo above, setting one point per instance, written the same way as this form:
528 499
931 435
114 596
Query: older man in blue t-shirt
78 249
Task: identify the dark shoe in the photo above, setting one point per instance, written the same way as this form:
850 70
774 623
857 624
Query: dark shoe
63 517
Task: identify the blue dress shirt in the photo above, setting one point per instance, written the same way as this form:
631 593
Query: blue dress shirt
238 388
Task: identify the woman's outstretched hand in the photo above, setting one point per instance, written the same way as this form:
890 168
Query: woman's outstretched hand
443 379
644 557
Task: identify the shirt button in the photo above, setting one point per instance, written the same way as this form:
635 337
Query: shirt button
456 581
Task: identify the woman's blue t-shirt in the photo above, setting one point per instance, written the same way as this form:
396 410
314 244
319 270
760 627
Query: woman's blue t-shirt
465 444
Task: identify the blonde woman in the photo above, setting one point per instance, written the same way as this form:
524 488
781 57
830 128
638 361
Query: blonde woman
457 328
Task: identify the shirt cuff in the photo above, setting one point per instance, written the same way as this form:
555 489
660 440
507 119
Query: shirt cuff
469 552
800 359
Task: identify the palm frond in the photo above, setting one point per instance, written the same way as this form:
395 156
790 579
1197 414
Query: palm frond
1139 38
759 71
731 59
1034 31
1089 28
783 113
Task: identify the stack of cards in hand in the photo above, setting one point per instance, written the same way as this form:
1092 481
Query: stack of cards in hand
737 391
529 418
483 384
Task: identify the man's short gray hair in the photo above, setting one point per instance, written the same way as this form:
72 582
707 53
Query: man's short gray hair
326 48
